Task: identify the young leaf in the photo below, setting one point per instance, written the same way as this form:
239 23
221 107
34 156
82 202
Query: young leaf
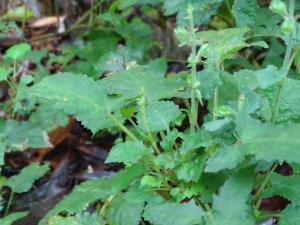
23 181
93 190
170 139
158 116
202 10
127 152
230 206
11 218
17 51
79 96
173 214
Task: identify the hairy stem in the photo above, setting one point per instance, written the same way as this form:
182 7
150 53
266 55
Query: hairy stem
194 102
285 67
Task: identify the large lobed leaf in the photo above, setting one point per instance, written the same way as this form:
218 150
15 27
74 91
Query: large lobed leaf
80 96
264 142
230 206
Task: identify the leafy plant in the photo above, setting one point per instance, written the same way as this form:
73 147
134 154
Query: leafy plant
177 170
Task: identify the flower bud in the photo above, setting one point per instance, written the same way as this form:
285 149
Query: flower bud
278 7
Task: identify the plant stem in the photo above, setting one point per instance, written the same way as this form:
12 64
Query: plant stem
263 185
24 16
11 196
216 96
194 102
123 128
285 67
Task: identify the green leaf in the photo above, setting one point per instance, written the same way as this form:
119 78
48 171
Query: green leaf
17 51
173 214
4 72
245 12
195 140
290 215
289 110
158 116
264 78
127 152
79 96
23 181
20 135
132 82
285 186
233 39
90 191
11 218
18 13
202 10
127 208
264 142
169 140
231 204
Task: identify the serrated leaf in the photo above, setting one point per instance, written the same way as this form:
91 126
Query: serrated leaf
127 152
195 140
127 208
202 10
233 39
23 181
264 142
11 218
93 190
245 12
80 96
230 206
17 51
130 83
173 214
158 116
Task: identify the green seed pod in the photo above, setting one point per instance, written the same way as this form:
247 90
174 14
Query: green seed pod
288 25
278 7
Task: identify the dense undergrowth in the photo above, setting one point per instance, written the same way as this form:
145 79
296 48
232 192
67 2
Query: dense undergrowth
180 167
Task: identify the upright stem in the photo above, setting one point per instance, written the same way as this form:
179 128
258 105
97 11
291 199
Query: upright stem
194 102
122 127
11 196
286 65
